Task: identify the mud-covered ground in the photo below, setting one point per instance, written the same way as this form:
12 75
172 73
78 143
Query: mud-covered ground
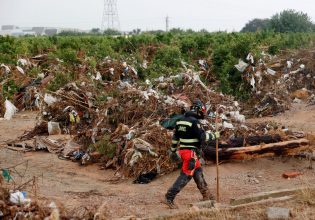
80 188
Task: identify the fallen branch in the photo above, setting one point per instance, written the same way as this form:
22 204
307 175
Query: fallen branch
284 148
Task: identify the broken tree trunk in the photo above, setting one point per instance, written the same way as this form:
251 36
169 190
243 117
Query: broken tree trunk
284 148
245 141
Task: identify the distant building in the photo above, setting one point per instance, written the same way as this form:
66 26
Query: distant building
12 30
38 30
8 27
51 31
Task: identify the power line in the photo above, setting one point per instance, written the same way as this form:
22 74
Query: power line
167 23
110 18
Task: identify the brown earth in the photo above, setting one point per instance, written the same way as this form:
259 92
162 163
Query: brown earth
81 188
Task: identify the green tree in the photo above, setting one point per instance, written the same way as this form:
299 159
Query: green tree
95 31
256 25
111 32
291 21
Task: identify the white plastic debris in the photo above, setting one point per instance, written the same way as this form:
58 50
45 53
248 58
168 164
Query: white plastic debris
111 70
259 77
53 128
271 72
49 99
250 58
237 116
135 157
19 198
7 69
98 76
37 99
130 135
289 64
10 110
286 76
252 83
22 62
145 64
20 70
297 100
148 82
227 125
241 66
134 71
41 75
302 66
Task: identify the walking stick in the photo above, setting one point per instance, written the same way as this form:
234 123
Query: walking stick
217 155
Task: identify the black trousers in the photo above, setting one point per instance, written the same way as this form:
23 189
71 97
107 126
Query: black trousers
182 181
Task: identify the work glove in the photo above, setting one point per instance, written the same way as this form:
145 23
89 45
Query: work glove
191 164
174 156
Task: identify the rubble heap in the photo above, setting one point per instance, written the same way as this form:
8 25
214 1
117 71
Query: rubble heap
104 114
276 81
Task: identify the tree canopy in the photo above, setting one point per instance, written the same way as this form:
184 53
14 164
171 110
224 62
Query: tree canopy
283 22
256 25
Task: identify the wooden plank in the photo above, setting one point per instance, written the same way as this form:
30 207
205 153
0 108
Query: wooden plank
284 148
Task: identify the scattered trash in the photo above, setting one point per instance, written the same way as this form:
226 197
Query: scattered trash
49 99
19 198
53 128
291 174
6 175
241 66
10 110
20 70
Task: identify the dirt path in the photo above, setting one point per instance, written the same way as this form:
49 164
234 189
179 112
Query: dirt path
299 117
78 187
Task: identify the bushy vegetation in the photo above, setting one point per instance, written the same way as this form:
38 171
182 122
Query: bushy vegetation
283 22
163 52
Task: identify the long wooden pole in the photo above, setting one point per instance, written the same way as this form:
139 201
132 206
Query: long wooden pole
217 155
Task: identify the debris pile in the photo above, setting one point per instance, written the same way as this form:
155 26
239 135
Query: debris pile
15 205
105 114
277 81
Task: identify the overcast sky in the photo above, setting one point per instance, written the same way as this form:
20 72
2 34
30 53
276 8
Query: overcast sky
213 15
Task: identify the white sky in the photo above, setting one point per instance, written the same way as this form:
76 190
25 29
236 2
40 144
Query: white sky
213 15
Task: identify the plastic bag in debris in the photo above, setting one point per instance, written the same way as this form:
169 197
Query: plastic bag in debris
237 116
250 58
228 125
142 145
241 66
145 178
7 69
6 175
19 198
10 110
22 62
20 70
53 128
271 72
49 99
170 123
135 157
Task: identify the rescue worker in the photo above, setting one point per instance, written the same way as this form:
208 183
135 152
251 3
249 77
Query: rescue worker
190 137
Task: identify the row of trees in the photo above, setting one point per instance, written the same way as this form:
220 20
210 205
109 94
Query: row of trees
284 22
162 52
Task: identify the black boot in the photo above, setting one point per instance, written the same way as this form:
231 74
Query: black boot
202 185
178 185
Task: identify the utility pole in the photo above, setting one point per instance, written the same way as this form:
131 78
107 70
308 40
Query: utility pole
167 23
110 18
